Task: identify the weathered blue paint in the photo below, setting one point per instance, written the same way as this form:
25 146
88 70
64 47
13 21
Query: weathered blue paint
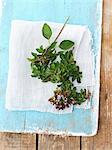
84 12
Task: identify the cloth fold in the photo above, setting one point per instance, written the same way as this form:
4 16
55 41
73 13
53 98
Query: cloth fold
27 93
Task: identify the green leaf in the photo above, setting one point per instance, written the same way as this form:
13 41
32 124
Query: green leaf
40 50
62 56
53 66
46 31
34 54
31 59
52 46
35 71
66 44
70 55
60 52
53 57
79 80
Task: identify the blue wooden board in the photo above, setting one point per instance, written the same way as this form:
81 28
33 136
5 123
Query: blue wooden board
84 12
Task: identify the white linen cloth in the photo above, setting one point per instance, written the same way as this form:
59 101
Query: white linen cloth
27 93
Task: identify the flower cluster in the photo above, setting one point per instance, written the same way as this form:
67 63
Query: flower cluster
62 100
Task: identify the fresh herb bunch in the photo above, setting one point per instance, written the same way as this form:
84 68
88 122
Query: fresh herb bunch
58 67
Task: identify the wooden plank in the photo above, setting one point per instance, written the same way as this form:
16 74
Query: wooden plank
103 140
50 142
12 141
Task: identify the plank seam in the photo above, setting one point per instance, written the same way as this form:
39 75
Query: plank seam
80 143
37 137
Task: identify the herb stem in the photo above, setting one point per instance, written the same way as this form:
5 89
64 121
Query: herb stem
49 42
62 29
57 35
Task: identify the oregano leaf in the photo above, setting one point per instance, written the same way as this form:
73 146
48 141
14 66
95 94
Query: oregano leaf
34 54
31 59
66 44
62 56
46 31
41 49
52 46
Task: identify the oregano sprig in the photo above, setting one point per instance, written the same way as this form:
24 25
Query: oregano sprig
59 67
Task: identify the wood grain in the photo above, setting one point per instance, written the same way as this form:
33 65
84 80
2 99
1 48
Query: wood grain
12 141
103 140
50 142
